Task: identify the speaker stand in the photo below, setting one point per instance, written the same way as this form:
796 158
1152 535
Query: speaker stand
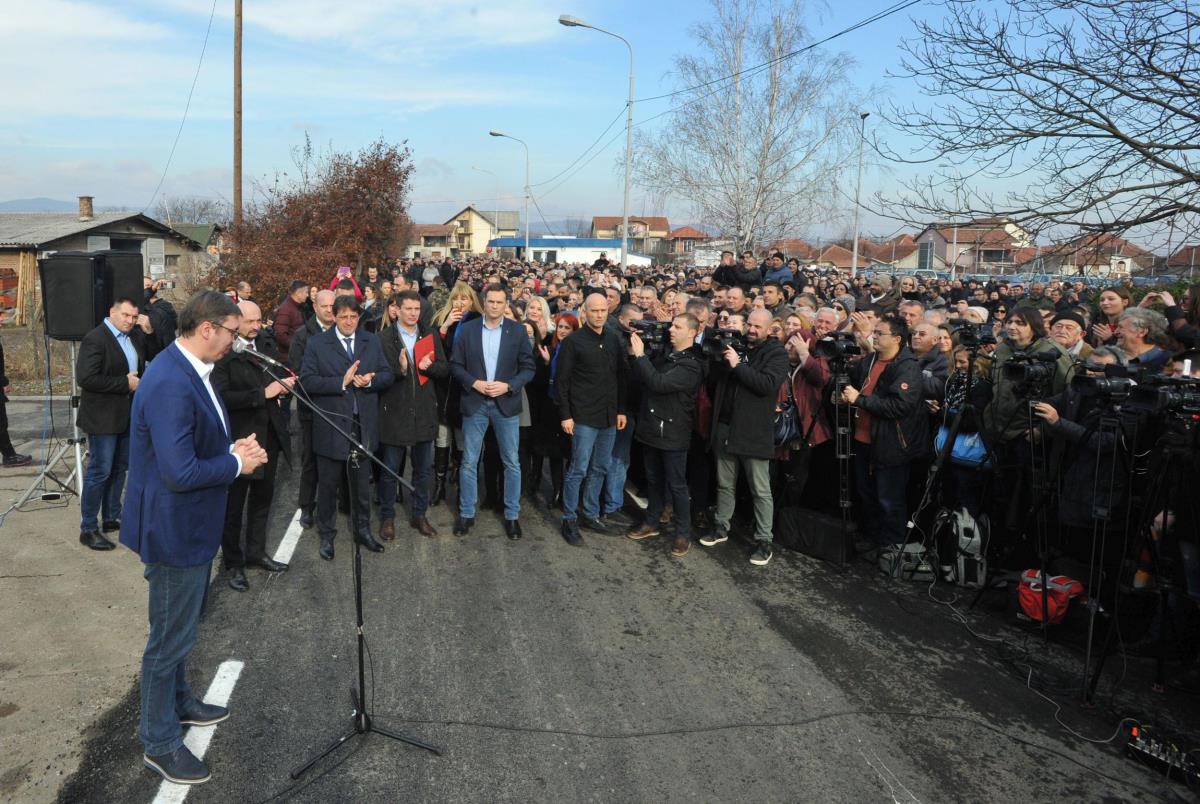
74 482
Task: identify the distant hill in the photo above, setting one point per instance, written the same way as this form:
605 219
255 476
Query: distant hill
38 205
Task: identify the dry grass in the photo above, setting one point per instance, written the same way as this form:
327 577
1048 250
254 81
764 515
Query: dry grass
25 359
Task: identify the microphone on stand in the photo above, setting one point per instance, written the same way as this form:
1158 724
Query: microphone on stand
242 347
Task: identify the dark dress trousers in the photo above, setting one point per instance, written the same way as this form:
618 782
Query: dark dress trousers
355 410
308 459
242 383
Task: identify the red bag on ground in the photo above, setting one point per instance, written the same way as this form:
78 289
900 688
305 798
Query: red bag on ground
1060 591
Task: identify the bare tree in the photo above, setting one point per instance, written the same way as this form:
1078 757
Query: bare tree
193 209
756 155
1086 111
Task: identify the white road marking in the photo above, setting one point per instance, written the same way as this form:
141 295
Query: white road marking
198 737
290 537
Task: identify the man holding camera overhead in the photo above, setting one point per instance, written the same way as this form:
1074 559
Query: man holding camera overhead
743 433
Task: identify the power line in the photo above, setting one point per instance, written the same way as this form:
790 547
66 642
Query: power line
620 112
887 12
187 106
540 215
893 9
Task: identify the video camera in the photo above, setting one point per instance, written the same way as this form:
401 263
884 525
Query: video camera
1156 395
1031 374
1113 388
722 339
836 347
971 334
656 335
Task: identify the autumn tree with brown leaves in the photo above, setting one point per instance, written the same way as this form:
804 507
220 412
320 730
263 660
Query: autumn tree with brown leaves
340 209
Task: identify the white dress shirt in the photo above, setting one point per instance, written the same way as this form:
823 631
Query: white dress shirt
204 371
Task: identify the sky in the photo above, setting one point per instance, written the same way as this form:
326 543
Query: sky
96 92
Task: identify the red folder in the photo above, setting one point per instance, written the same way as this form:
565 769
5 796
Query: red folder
423 347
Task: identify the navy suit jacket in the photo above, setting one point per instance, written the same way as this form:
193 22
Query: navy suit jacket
514 364
181 467
321 373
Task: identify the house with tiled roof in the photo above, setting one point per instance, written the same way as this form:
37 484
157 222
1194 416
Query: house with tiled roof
647 234
683 241
1100 254
27 236
984 245
1187 258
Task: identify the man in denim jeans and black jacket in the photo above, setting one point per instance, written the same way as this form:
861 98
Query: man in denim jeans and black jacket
592 371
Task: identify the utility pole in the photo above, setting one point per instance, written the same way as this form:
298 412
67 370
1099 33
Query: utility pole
862 138
237 115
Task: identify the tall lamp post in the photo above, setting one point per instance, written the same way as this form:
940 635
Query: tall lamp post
575 22
862 137
496 133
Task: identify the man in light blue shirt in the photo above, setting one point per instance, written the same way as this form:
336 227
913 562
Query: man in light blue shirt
107 369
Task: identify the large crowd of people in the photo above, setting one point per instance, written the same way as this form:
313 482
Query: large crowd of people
653 395
691 402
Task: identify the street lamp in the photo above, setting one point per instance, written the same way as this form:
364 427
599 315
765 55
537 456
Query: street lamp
496 133
862 137
575 22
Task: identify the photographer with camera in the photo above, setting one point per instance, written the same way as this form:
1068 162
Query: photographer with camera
1028 367
669 381
1091 472
743 433
890 432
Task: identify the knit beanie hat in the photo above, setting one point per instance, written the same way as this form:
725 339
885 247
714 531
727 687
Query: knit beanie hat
883 280
846 301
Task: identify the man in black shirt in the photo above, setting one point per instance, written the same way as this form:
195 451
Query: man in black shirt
591 382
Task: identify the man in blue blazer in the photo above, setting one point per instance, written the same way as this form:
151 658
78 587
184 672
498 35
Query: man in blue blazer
492 360
173 517
343 372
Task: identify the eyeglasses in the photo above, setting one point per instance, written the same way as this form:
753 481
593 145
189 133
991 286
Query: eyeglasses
230 330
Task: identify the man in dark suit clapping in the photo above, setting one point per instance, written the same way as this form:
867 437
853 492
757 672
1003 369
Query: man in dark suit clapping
344 371
254 400
110 361
492 360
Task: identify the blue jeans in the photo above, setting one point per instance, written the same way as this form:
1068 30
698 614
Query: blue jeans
108 460
591 450
177 596
882 498
422 472
508 437
618 468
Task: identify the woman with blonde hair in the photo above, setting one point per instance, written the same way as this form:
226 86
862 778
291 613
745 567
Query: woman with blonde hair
463 305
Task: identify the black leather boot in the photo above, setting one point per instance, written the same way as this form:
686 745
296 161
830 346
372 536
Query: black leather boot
441 460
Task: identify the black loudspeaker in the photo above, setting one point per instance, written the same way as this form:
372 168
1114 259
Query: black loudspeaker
122 276
813 533
79 287
69 299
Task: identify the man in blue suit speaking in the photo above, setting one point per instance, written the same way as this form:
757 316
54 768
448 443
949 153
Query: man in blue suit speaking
184 462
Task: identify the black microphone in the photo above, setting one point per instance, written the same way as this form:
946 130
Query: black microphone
242 347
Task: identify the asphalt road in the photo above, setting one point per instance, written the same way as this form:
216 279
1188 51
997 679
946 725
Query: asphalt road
614 672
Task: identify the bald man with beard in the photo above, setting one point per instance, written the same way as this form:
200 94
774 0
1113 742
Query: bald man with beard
254 401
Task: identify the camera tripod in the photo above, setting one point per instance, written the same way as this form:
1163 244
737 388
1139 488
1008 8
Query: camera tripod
1162 546
72 447
361 721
